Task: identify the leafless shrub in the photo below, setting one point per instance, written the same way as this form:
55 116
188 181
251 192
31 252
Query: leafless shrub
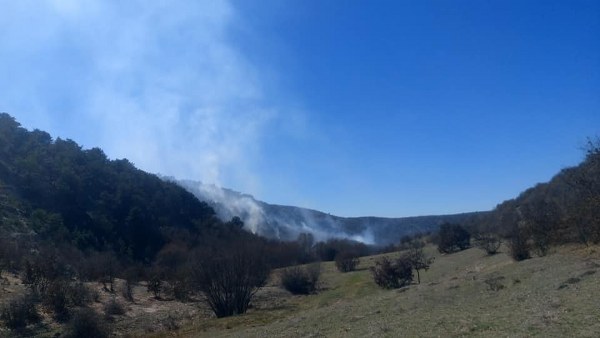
452 238
155 286
56 299
346 261
327 251
495 283
103 267
79 294
20 312
95 296
570 281
417 258
230 276
181 289
519 248
301 280
113 308
170 323
86 323
490 243
61 294
127 290
392 274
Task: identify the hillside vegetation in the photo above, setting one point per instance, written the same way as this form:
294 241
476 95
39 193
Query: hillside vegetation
564 210
71 218
79 197
82 236
287 222
463 294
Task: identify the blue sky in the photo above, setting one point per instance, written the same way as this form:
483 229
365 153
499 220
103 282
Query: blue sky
387 108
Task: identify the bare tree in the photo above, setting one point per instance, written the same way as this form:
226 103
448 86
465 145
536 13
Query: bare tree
230 276
392 274
417 258
155 286
103 267
306 241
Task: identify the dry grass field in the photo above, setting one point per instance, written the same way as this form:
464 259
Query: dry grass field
462 294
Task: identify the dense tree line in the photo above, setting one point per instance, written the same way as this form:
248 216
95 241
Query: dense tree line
564 210
70 216
81 197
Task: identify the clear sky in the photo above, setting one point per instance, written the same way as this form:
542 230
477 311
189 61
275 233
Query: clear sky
386 108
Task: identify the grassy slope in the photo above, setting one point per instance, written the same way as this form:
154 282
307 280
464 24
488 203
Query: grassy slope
553 296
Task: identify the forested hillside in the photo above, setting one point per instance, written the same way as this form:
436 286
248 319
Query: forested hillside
56 196
564 210
288 222
65 194
71 219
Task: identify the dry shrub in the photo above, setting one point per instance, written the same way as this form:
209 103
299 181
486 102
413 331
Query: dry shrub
452 238
86 323
301 280
113 308
490 243
392 274
181 290
230 276
20 312
518 245
495 283
79 294
127 290
155 286
346 261
56 299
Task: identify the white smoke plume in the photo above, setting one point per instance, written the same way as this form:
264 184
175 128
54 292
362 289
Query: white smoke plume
281 222
157 82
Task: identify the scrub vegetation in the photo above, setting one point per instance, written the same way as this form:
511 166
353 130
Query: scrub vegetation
92 246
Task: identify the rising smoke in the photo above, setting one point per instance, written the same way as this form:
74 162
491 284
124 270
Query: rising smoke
275 221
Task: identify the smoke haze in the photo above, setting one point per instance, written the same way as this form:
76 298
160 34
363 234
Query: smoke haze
287 222
158 83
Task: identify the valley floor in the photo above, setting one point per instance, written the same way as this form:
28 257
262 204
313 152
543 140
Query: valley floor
463 294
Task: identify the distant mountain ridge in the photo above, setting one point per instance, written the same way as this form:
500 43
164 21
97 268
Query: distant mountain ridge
287 222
